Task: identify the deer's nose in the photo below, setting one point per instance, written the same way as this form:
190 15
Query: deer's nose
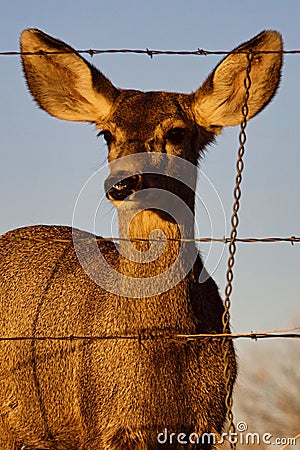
121 189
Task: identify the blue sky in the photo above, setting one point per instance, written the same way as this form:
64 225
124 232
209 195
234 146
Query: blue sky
45 162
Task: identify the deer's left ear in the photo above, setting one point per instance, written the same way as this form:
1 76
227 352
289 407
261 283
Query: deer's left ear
218 102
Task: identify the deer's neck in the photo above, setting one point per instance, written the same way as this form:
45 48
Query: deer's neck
157 273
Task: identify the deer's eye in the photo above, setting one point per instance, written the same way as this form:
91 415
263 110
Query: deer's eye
176 135
108 137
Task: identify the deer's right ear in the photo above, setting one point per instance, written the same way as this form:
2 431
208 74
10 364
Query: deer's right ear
65 85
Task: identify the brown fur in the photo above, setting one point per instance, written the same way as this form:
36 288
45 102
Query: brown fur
114 393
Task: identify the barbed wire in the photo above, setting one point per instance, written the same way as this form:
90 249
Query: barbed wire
223 240
149 52
254 335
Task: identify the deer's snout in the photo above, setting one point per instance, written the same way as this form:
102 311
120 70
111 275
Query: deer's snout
121 189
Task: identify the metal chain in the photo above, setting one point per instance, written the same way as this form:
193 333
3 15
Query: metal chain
232 250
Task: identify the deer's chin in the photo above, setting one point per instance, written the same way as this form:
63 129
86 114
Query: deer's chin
140 200
129 204
146 208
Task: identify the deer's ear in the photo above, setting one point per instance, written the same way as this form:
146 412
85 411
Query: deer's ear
218 102
65 85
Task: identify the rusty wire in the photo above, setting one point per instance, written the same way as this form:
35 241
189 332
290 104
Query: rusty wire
226 344
148 52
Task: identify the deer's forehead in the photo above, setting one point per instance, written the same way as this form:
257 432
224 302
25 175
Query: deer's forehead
142 112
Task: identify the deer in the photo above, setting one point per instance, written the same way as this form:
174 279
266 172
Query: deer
130 382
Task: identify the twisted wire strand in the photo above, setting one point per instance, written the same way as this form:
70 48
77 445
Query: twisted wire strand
288 333
148 52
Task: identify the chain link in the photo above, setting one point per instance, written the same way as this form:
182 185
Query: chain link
232 249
